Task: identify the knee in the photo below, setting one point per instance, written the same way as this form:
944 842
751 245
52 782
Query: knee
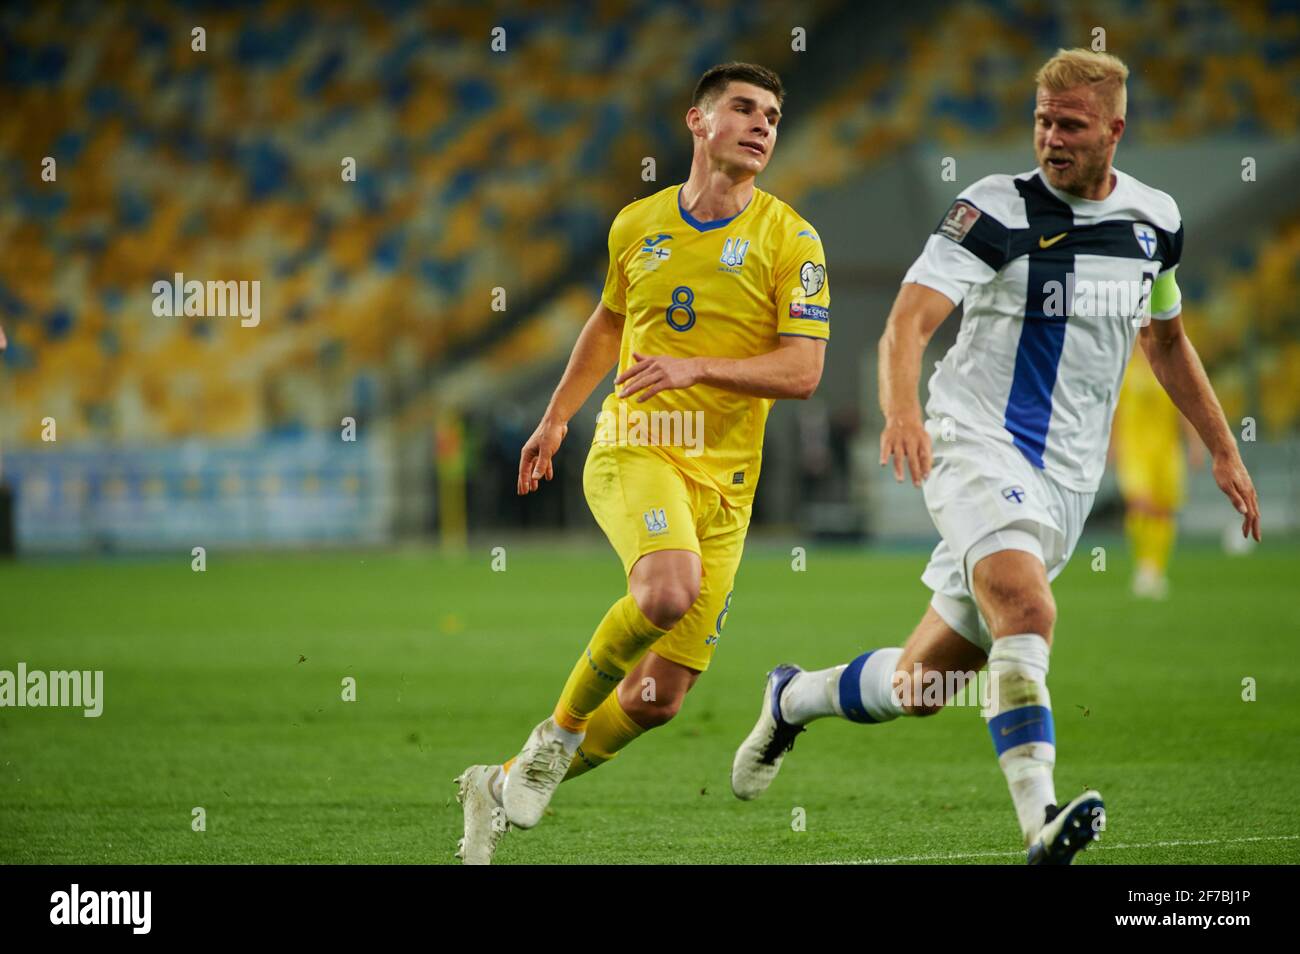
1028 613
664 603
649 710
1032 615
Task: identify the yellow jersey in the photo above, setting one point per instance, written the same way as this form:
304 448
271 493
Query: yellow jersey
727 288
1146 420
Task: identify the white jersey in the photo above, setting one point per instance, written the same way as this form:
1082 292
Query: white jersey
1056 288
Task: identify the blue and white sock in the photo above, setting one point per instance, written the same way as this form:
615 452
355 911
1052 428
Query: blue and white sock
1020 721
860 691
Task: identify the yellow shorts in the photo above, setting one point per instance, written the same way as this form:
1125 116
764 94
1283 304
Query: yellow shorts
644 504
1155 477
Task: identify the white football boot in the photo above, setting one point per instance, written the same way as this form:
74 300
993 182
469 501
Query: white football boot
759 757
1150 584
1069 830
535 775
485 818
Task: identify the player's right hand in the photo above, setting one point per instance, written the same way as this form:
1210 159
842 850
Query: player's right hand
1233 479
907 439
535 458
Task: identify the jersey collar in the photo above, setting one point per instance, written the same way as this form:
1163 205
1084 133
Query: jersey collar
699 226
1081 203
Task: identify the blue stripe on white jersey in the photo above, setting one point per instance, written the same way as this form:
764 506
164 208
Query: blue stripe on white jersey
1042 336
1037 362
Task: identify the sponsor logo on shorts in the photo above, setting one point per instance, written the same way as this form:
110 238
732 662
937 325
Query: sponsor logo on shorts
656 521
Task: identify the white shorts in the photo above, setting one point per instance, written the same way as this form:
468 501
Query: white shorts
984 497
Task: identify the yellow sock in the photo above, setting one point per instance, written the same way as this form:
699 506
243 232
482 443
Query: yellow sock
620 641
609 730
1151 539
1135 530
1160 534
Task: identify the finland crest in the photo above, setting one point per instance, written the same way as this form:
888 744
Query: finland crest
656 521
1015 493
1146 238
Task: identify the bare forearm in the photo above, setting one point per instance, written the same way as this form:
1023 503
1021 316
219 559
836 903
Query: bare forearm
917 313
594 355
899 370
776 374
1178 368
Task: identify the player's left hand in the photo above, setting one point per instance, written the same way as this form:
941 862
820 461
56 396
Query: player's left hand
657 373
1231 476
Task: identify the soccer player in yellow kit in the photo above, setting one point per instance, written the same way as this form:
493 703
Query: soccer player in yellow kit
715 304
1149 467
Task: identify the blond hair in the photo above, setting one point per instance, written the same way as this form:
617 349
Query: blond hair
1106 74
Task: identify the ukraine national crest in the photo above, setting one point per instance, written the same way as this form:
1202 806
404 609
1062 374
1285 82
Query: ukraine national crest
656 521
733 252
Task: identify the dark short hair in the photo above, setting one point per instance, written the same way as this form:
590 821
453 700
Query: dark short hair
716 78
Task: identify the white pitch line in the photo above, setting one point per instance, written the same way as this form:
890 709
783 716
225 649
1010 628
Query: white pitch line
1015 854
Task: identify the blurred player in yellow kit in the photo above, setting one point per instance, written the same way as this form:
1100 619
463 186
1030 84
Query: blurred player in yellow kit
715 304
1149 466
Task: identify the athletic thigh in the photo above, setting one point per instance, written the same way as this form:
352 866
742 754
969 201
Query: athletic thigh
692 641
642 503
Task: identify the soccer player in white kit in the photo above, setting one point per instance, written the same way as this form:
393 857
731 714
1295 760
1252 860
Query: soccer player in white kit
1061 270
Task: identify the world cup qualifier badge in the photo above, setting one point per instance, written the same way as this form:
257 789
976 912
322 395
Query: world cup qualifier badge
812 277
959 220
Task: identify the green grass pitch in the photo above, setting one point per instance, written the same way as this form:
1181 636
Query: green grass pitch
223 691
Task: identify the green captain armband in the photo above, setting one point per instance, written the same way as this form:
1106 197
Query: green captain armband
1166 299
